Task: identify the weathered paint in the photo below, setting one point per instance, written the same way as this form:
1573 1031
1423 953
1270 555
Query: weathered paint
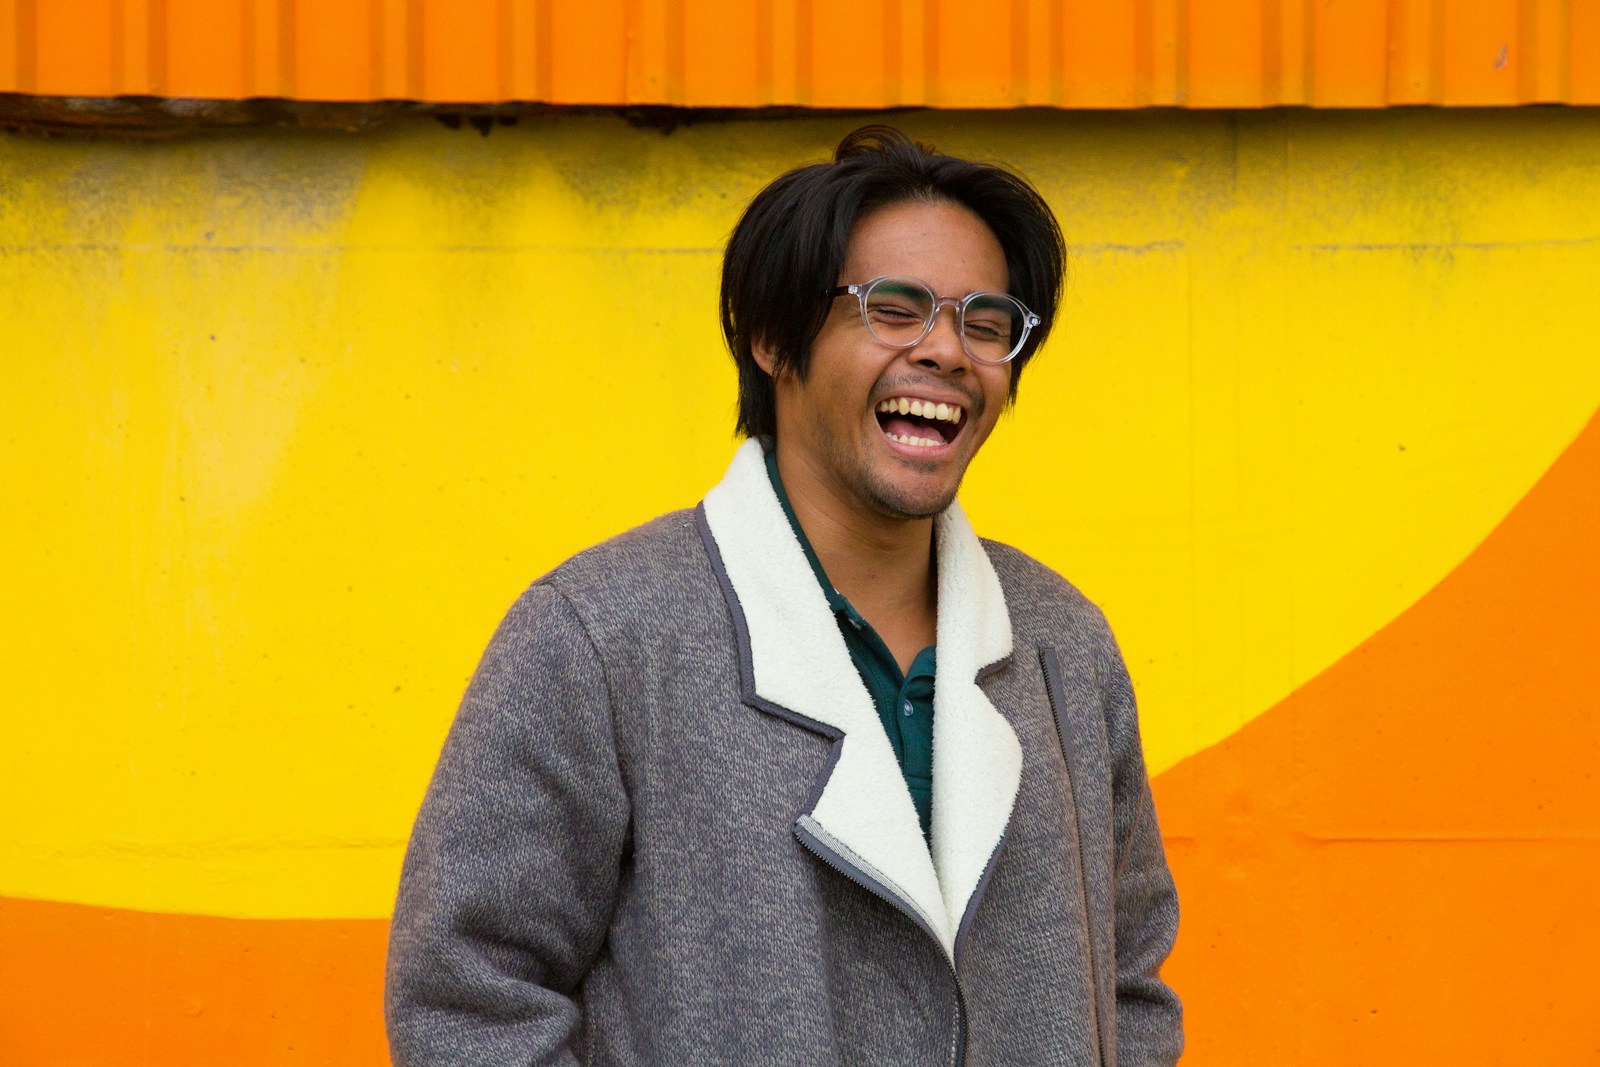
813 53
291 418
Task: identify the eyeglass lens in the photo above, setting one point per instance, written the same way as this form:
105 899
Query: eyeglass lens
900 311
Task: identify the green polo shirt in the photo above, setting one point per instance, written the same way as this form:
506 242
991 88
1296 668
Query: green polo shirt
904 701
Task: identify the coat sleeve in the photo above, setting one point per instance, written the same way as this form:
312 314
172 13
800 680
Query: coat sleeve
512 871
1149 1016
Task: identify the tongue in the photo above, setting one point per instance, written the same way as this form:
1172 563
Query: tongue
906 426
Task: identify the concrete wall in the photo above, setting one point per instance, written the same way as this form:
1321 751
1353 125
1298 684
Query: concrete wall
288 419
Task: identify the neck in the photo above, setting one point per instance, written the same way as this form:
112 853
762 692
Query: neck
883 565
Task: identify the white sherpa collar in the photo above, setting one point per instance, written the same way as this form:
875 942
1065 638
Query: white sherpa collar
800 662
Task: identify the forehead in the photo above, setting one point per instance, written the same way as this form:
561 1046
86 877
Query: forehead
942 243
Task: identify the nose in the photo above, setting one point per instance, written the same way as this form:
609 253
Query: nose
941 349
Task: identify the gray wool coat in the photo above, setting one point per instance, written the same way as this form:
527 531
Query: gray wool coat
667 826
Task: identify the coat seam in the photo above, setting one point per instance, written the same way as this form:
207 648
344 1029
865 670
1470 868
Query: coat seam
594 649
1046 659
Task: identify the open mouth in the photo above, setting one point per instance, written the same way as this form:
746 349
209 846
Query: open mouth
919 423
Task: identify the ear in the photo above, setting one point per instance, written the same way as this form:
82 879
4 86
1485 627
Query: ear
765 358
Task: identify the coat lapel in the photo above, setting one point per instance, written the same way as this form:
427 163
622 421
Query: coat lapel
798 663
977 760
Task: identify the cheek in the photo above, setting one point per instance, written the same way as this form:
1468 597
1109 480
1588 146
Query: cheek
996 386
994 401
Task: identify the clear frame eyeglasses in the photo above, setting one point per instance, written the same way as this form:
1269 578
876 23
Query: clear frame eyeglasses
900 312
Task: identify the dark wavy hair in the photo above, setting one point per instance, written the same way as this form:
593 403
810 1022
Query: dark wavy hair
790 245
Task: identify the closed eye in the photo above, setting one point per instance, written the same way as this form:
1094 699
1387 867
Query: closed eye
895 315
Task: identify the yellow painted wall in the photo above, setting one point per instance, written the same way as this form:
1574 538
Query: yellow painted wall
287 420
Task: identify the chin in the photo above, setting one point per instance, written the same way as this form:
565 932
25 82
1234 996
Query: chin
899 502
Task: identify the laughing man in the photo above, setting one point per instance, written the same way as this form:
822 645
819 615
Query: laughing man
809 774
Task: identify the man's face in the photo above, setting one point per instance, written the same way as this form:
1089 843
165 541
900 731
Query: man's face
832 437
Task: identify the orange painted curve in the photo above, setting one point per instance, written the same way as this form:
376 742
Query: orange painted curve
1400 862
96 987
1397 864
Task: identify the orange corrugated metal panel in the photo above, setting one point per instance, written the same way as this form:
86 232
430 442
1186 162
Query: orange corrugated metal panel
1351 42
1580 52
1099 54
814 53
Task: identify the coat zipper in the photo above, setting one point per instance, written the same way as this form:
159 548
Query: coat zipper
1047 668
811 840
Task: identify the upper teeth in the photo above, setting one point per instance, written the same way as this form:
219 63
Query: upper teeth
926 409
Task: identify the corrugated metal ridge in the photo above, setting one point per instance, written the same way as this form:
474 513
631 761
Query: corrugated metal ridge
813 53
